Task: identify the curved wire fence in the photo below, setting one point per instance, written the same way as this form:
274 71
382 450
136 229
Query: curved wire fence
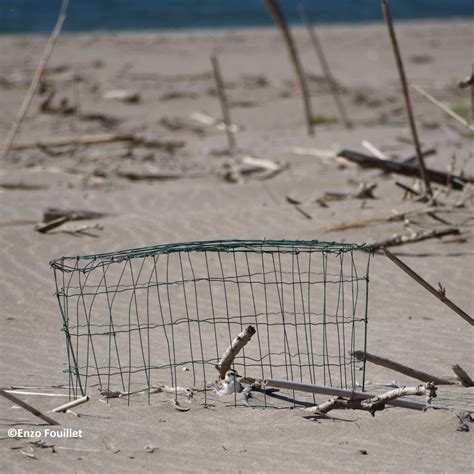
167 313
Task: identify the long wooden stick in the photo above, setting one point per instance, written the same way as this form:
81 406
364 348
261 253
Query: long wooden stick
27 407
402 239
279 19
325 66
439 177
36 79
406 94
463 376
338 392
403 369
237 344
442 106
378 402
224 103
101 139
440 294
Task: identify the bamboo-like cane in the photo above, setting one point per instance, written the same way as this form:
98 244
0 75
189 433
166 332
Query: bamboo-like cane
36 79
224 103
325 67
279 18
69 405
406 94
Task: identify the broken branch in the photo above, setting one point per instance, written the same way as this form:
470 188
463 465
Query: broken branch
462 375
403 369
441 295
27 407
231 352
376 403
390 166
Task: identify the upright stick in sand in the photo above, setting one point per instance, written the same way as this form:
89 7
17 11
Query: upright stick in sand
36 79
325 67
279 19
411 119
224 104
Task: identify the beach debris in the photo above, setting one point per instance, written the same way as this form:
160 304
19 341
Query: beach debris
28 407
277 15
53 213
406 94
150 449
318 48
179 407
439 293
36 80
231 352
464 417
69 405
264 168
377 402
103 139
44 228
23 186
206 119
397 367
374 150
351 395
296 203
391 166
123 95
153 175
174 124
224 103
414 236
64 108
463 376
443 107
178 95
230 171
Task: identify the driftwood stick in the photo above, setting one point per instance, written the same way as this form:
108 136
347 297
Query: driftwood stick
440 293
325 66
403 369
338 392
407 188
439 177
27 407
69 405
402 239
231 352
224 103
412 158
279 19
36 79
442 106
376 403
406 94
102 139
463 376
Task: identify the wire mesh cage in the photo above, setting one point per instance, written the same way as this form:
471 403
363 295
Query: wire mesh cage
167 313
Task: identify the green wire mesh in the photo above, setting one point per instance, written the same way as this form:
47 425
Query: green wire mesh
167 313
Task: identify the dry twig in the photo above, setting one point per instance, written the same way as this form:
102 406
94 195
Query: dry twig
440 293
36 80
231 352
406 94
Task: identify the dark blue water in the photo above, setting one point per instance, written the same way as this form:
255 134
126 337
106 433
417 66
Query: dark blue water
27 16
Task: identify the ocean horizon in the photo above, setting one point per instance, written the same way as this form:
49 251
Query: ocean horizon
39 16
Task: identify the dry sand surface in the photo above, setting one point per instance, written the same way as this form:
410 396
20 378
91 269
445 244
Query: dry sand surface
171 72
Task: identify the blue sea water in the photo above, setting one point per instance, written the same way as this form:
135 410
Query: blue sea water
31 16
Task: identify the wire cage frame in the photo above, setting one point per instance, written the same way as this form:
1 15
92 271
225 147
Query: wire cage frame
166 313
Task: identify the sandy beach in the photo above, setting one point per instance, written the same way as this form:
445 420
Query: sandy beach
172 76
